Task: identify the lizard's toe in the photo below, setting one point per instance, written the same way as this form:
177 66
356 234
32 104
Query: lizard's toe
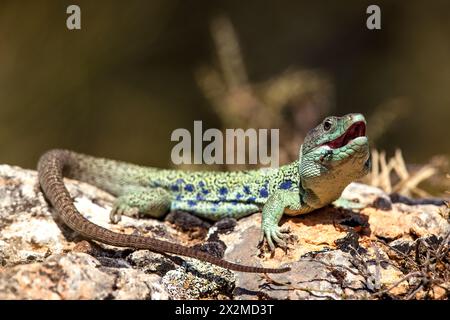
269 240
278 237
116 214
282 236
119 209
274 238
261 239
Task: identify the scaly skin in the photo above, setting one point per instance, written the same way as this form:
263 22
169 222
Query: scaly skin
317 178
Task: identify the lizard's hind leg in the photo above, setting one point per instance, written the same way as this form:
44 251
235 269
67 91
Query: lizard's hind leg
154 202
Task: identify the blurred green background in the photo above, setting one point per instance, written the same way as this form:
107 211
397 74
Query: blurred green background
137 70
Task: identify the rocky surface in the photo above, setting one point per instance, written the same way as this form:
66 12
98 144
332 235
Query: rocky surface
390 248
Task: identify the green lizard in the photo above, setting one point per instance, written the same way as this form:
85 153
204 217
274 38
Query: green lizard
333 154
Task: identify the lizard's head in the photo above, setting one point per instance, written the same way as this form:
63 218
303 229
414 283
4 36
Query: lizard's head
339 143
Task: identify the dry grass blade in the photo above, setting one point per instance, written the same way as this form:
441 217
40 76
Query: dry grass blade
384 172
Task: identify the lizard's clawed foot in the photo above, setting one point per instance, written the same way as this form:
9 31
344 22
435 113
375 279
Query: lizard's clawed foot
120 209
275 234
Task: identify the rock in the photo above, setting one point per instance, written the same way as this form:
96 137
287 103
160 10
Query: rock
188 223
407 221
402 245
365 196
59 277
133 284
196 280
151 262
39 262
397 198
77 276
334 252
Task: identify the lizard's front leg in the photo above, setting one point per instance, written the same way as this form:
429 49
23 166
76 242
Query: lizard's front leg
272 212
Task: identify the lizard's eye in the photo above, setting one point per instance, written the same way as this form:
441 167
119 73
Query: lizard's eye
327 124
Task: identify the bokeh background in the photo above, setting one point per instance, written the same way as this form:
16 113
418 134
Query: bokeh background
137 70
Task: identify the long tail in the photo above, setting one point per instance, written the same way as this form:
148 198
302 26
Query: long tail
50 171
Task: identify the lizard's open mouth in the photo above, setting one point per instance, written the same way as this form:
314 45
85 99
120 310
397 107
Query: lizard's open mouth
358 129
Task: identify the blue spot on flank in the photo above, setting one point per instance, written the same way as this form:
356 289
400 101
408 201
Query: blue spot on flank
201 184
234 203
179 197
205 191
174 188
263 193
251 199
179 181
286 184
247 190
223 191
189 187
191 203
200 197
238 196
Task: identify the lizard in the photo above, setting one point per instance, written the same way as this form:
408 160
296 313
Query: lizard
332 155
